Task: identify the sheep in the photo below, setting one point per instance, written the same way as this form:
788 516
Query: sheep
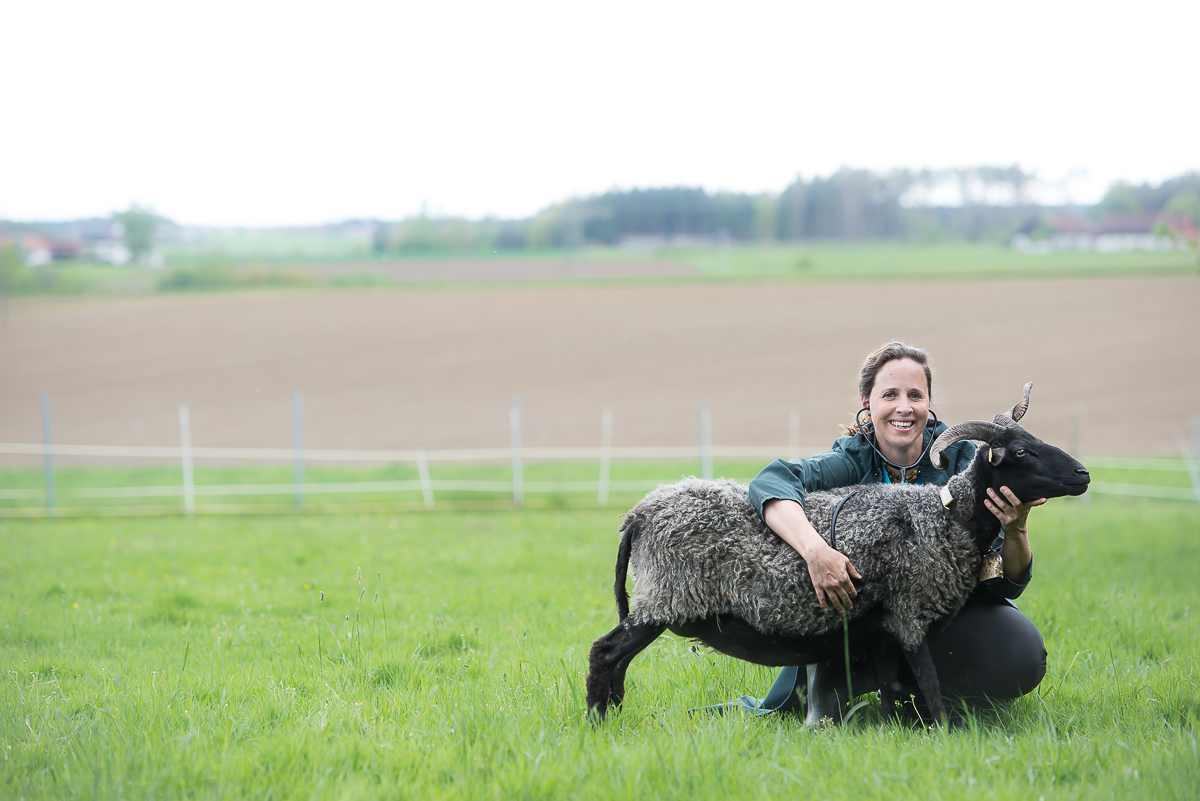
707 567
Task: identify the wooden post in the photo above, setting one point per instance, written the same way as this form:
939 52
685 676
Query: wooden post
298 445
47 455
1193 467
185 449
423 475
794 435
706 460
606 435
518 477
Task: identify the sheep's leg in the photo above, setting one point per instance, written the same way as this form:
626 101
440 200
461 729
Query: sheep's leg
885 666
609 659
617 695
921 662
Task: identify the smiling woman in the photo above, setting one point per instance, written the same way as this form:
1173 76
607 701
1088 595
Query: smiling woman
990 651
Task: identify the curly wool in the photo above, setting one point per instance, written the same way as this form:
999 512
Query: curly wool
702 551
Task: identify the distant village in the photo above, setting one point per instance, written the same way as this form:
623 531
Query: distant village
989 205
100 241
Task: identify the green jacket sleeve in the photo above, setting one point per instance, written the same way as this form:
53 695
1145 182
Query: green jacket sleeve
791 480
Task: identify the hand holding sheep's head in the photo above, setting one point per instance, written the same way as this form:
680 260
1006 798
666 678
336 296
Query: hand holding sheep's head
1020 461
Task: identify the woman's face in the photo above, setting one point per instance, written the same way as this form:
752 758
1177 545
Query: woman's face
899 405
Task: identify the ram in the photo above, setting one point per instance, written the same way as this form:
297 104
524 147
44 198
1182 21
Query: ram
706 567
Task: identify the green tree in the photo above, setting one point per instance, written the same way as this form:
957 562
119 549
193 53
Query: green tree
1121 198
1186 203
139 225
1180 219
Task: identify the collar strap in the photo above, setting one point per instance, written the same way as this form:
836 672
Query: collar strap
947 498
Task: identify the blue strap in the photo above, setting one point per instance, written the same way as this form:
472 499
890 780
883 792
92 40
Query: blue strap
781 693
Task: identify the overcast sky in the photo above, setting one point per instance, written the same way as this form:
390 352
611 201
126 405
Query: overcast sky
266 113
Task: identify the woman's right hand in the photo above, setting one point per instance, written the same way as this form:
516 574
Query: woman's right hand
831 572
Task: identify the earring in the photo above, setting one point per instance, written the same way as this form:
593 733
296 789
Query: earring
864 425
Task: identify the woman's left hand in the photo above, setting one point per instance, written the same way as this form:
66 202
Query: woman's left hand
1010 511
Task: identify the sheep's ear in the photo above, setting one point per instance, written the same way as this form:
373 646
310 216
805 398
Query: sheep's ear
995 454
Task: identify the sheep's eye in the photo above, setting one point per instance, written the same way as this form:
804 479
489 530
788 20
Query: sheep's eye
1019 452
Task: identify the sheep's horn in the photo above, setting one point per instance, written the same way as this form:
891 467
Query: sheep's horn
980 430
1017 412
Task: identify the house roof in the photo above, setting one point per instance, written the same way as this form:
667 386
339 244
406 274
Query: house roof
1127 224
1069 224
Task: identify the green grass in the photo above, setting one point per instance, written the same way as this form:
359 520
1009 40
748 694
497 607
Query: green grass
196 658
81 278
71 484
271 246
838 262
22 489
275 262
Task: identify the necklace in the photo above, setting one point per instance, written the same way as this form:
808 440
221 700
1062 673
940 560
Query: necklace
894 473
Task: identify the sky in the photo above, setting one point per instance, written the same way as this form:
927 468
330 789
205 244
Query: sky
297 113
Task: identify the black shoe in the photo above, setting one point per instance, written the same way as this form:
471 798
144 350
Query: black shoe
828 699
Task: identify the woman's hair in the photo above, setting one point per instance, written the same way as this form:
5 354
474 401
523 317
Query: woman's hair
876 359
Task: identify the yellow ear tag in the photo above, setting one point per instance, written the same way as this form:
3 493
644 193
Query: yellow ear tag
990 455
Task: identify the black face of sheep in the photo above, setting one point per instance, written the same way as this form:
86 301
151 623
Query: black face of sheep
1033 469
708 568
1012 457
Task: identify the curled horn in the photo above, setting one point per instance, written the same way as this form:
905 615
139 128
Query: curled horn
980 430
1017 412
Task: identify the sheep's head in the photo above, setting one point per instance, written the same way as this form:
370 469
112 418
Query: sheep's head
1020 461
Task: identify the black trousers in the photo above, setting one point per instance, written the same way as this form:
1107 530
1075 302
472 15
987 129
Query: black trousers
989 652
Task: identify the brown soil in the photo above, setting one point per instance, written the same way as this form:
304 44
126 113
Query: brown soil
436 368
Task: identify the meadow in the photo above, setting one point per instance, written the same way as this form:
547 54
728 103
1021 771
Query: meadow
441 655
315 262
231 489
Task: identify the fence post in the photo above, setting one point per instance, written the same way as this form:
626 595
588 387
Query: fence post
794 435
1193 469
185 449
47 456
518 477
706 462
423 474
606 435
298 445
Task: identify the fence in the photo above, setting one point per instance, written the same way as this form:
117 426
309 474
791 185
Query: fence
186 454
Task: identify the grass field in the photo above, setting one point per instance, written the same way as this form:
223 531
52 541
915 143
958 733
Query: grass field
838 262
275 263
249 656
555 485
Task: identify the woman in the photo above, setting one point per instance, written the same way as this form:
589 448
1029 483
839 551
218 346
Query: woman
990 651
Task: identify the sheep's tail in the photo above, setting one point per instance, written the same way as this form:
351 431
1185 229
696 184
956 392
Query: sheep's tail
629 530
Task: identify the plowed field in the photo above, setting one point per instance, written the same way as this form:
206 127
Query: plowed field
437 367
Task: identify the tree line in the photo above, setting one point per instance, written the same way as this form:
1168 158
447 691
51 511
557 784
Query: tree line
990 203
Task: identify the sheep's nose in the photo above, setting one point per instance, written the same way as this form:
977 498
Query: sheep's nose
1081 471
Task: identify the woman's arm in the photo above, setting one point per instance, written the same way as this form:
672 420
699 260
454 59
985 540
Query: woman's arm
829 570
1014 519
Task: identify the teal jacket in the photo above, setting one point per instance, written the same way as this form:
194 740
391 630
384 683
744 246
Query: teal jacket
852 461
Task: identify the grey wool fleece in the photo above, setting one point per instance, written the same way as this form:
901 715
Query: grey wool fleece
703 551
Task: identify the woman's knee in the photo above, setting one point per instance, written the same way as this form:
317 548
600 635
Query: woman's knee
1025 658
990 651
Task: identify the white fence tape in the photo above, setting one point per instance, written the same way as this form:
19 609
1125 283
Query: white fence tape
428 486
